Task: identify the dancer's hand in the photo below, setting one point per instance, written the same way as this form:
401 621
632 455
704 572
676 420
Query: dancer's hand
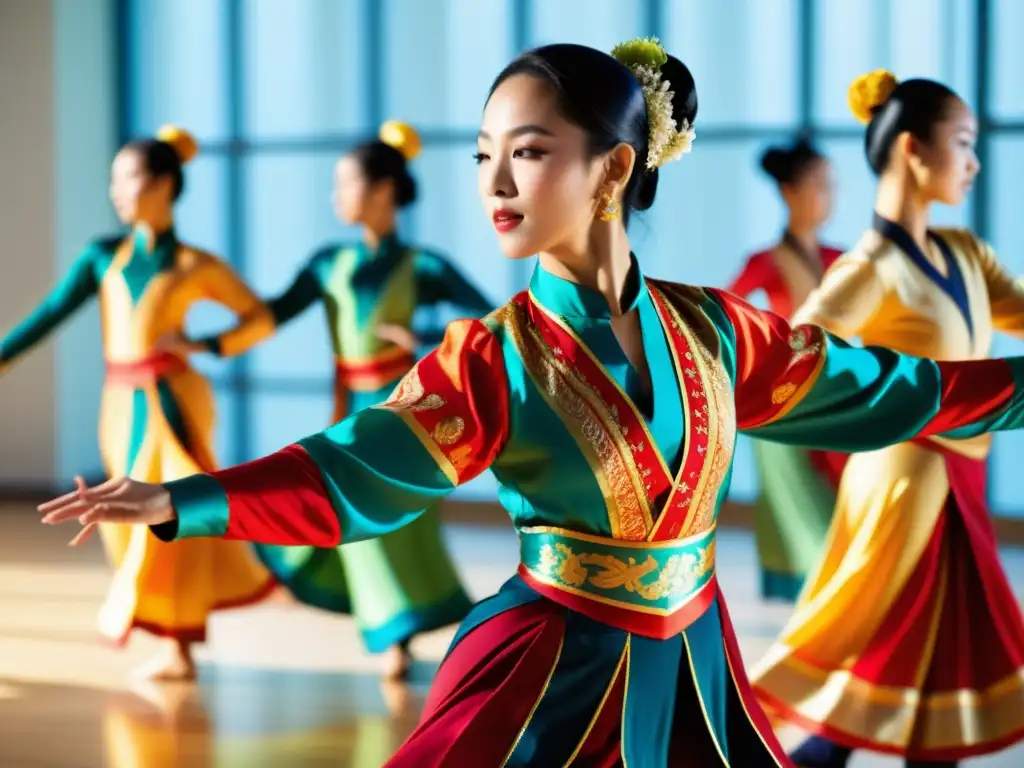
177 344
120 500
398 335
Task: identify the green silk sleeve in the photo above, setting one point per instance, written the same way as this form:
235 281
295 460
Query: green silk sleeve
297 298
438 282
80 283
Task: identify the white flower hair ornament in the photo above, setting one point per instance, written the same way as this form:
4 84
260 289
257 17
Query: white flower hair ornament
668 141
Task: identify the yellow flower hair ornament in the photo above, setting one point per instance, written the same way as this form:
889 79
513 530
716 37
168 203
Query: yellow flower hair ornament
869 92
402 137
184 143
644 57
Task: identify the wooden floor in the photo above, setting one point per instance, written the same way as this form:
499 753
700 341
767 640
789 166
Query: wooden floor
281 686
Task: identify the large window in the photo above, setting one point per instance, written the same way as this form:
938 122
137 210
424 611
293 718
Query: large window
277 90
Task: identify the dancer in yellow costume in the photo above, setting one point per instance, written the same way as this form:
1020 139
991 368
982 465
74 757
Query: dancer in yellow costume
907 638
157 414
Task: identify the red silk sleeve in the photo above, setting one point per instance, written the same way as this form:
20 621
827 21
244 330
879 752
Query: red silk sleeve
775 364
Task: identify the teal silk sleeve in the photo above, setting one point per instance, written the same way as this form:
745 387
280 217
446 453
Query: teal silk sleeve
371 473
299 296
802 386
80 283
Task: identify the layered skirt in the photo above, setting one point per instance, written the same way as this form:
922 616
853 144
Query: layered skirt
793 513
530 682
395 586
908 638
156 424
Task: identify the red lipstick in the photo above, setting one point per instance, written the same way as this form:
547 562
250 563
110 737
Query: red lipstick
506 220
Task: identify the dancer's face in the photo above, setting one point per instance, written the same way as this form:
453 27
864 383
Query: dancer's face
945 166
135 194
356 198
810 197
538 181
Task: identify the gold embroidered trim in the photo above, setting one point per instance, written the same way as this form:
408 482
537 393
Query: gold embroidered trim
678 577
572 399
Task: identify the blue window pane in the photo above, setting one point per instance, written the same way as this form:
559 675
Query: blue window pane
918 38
713 209
280 419
288 216
304 67
227 450
450 218
201 218
743 55
1007 64
481 488
177 72
441 58
855 186
207 319
1003 177
745 483
201 222
600 24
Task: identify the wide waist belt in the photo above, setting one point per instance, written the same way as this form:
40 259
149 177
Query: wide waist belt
145 370
367 374
655 589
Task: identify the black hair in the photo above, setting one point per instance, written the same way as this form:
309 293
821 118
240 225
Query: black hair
379 162
787 165
915 106
604 98
160 158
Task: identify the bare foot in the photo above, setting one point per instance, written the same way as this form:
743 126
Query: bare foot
281 596
398 698
398 662
175 663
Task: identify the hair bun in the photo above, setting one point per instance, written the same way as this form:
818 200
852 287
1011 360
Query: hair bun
774 163
402 137
869 92
184 143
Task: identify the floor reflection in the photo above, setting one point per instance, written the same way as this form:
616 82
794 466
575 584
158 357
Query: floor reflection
247 720
280 686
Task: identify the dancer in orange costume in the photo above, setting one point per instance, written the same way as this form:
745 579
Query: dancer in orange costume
157 414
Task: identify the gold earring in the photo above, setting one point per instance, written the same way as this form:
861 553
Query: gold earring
610 210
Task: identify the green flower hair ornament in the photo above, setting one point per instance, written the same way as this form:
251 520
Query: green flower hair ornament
644 57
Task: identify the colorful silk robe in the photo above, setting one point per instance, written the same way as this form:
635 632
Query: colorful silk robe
362 289
156 419
909 639
613 639
797 487
404 583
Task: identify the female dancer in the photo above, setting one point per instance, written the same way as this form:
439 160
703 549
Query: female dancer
606 404
798 487
401 584
908 638
156 418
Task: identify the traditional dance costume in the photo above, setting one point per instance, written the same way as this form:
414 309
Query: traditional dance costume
613 642
908 638
404 583
156 421
797 486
